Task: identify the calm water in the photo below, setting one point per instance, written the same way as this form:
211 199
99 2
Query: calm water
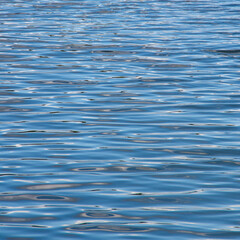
119 119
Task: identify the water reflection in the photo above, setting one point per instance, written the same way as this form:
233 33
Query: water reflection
119 118
101 214
116 169
60 186
34 197
22 220
108 228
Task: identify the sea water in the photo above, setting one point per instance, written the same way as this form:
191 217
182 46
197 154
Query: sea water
119 119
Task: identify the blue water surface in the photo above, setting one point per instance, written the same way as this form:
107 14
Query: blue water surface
119 119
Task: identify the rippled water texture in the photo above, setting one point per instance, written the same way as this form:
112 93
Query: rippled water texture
119 119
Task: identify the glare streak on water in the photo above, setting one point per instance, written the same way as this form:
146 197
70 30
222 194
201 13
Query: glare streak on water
119 119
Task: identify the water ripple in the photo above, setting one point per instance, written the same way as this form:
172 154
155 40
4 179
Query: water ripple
119 119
